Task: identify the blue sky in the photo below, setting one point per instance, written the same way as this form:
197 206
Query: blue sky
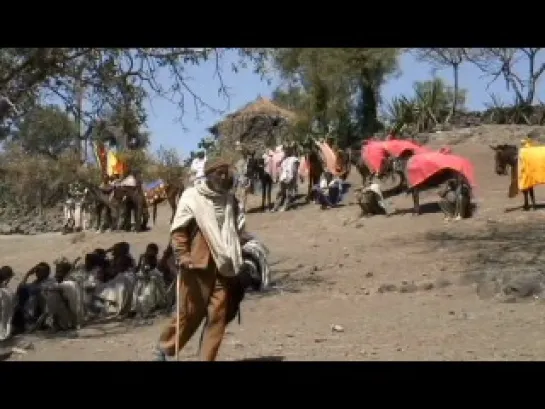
245 86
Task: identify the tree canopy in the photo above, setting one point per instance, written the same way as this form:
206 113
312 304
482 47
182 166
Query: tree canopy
333 91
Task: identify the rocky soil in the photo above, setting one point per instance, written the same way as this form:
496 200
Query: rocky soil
13 221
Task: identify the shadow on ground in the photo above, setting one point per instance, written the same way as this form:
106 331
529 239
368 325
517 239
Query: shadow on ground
503 258
426 208
539 206
292 280
270 358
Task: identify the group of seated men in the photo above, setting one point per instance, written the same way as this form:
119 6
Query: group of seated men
38 305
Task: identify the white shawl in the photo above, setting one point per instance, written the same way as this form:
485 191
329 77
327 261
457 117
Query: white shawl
8 301
198 203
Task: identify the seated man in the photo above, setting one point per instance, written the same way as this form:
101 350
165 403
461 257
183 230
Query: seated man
121 259
455 200
62 269
114 296
96 265
8 302
167 265
31 305
150 290
329 192
6 274
65 300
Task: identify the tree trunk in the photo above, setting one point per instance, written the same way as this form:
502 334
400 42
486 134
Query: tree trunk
78 94
455 69
532 80
368 111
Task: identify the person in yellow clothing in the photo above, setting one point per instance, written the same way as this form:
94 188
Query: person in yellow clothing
115 166
531 168
111 167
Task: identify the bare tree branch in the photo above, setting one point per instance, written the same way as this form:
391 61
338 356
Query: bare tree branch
444 58
496 62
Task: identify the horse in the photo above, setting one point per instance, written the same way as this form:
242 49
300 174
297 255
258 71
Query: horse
507 155
315 167
389 168
255 170
172 193
430 170
344 161
362 168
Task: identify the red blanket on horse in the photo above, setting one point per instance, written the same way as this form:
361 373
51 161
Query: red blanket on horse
423 166
373 154
397 147
332 159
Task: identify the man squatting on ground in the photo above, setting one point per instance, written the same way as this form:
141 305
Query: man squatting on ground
455 197
328 192
206 236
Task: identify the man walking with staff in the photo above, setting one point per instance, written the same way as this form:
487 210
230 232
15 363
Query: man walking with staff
206 237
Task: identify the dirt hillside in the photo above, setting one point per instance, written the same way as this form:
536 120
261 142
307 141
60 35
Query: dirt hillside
398 288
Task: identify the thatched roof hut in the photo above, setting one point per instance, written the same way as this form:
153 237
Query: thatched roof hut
258 125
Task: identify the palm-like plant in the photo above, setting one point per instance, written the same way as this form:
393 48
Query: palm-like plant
430 106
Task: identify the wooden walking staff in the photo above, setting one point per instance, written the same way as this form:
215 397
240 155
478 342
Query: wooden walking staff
177 344
178 304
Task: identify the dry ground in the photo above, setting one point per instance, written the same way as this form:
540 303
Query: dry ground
333 270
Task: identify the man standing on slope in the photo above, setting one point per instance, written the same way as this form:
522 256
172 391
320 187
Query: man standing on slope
288 177
197 166
206 237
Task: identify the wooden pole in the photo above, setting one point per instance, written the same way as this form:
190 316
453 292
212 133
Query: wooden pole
177 344
77 114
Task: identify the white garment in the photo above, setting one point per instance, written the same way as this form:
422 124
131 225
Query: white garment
75 210
375 188
259 253
288 169
129 181
268 162
197 167
323 182
8 301
65 303
149 293
117 293
198 203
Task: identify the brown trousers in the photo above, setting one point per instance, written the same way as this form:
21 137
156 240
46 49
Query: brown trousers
202 291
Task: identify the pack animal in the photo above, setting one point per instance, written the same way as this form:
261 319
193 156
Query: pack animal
256 171
507 156
171 193
315 167
430 170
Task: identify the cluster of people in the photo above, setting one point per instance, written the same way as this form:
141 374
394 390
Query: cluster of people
106 282
288 164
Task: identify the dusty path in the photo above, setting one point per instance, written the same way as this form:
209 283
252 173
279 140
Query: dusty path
395 288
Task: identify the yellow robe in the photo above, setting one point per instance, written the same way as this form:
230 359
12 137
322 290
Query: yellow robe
111 167
531 166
